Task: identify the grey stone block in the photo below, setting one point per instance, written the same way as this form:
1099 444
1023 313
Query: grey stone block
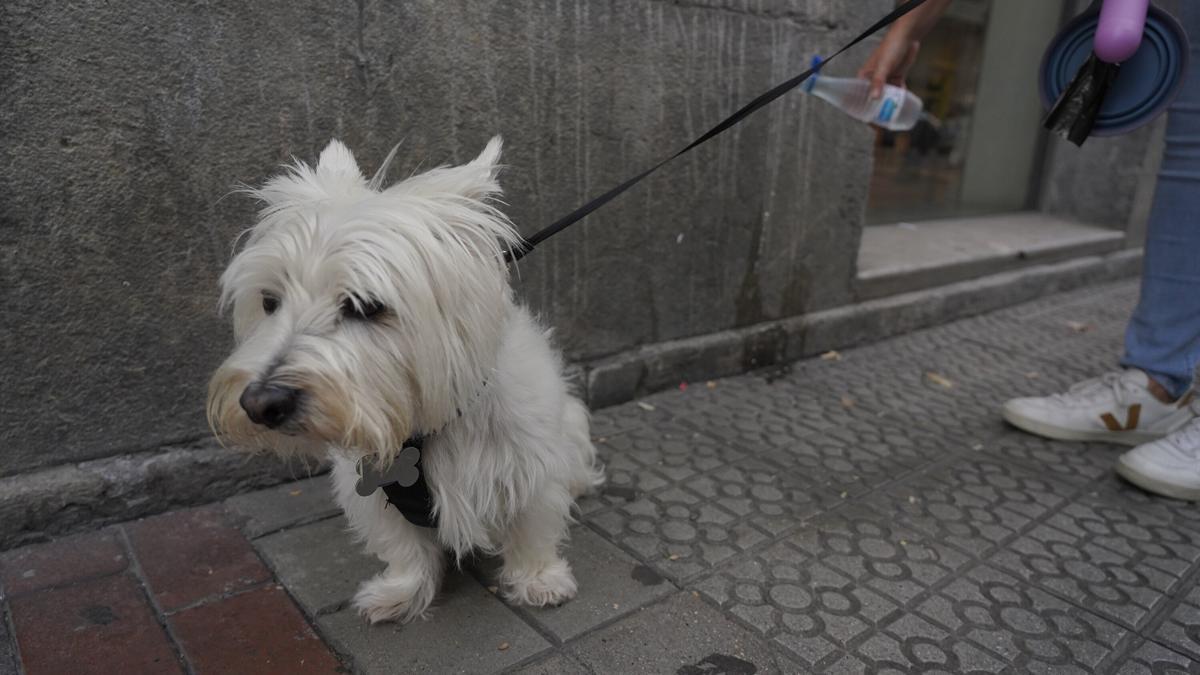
651 458
611 584
682 635
835 621
1182 515
468 631
1180 629
877 553
970 503
1079 464
77 497
1150 658
282 506
957 388
618 419
1115 561
556 664
1027 628
661 501
320 564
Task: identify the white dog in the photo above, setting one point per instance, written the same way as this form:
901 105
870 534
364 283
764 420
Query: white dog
376 326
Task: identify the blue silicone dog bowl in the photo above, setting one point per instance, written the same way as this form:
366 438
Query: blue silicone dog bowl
1146 84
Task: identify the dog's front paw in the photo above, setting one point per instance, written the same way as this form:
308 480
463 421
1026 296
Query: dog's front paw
394 598
545 587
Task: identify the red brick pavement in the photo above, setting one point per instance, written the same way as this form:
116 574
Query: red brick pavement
177 592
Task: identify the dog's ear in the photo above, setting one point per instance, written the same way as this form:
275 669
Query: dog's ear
337 172
335 175
489 159
475 180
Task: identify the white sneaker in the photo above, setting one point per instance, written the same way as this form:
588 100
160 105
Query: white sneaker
1114 408
1169 467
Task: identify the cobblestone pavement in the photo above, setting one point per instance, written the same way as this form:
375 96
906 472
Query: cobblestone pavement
862 512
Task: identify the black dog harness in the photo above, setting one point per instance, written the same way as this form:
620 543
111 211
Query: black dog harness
403 483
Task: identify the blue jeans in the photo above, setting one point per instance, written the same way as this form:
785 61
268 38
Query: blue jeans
1163 336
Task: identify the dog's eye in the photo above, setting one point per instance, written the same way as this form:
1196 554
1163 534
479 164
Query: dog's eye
367 308
270 303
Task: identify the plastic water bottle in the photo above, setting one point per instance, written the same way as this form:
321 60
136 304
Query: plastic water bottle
897 109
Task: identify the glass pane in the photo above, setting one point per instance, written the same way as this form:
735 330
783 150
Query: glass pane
976 150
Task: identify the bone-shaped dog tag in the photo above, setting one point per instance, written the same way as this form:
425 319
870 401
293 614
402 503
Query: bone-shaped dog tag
404 471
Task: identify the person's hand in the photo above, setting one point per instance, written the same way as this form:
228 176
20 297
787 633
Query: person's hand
890 61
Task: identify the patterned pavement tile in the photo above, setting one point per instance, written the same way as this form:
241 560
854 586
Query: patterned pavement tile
834 597
745 408
856 461
1000 484
1083 332
809 608
681 635
759 493
1149 658
1121 564
677 532
1138 535
619 419
1180 628
890 559
1115 490
972 504
649 459
1074 343
958 389
1082 464
1029 629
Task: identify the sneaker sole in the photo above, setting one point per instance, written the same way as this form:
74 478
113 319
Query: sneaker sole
1037 428
1152 484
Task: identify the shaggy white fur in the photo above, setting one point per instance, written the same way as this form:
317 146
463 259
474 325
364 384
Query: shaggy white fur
364 316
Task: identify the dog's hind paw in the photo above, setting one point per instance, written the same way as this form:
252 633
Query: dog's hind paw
547 587
394 598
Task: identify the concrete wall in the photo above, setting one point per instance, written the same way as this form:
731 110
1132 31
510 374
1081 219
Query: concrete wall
125 123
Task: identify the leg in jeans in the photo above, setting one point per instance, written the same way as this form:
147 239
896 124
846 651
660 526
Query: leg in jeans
1163 337
1143 404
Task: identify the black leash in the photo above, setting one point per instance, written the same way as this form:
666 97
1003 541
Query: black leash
528 244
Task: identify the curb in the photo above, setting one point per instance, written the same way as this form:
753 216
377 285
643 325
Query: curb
652 368
76 497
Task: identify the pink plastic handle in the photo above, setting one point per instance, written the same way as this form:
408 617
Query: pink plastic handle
1119 33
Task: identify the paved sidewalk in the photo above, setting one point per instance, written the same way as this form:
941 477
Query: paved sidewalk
866 511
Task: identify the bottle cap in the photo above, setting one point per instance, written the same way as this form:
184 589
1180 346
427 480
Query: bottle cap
816 67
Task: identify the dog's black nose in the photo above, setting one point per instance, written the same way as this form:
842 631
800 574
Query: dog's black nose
268 404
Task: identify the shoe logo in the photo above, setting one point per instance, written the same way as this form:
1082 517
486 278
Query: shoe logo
1131 419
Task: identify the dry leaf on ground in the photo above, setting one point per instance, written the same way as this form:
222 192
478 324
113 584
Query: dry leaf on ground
939 380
